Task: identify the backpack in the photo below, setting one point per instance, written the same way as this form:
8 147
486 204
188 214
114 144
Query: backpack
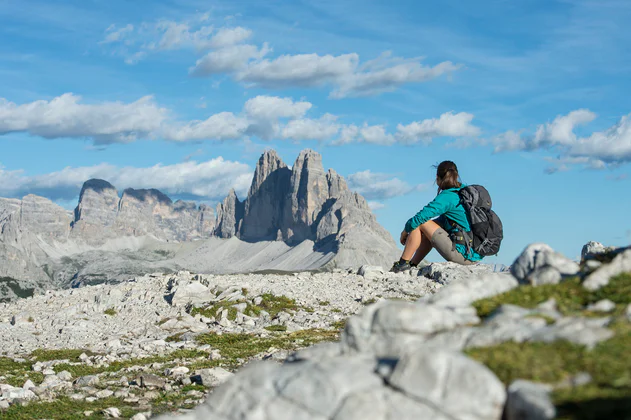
486 227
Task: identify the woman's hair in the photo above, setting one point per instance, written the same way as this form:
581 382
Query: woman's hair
447 176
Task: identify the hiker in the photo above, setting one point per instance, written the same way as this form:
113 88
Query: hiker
439 225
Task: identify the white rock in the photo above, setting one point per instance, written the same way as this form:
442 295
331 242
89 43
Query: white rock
604 305
529 401
599 278
28 384
463 388
178 371
592 248
18 394
112 412
22 318
371 272
194 293
540 264
466 291
104 394
628 312
212 377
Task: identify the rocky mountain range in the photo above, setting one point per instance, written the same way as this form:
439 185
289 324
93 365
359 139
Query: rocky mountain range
301 218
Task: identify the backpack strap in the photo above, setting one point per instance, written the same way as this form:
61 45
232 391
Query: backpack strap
459 236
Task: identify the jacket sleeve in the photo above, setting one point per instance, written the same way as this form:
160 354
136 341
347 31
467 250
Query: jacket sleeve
440 205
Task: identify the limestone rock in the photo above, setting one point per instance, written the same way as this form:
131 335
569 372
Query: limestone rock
97 210
599 278
447 272
371 272
211 377
194 293
458 385
263 214
309 190
229 216
604 305
540 264
592 248
529 401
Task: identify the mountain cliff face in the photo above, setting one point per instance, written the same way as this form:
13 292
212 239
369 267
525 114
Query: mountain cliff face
303 210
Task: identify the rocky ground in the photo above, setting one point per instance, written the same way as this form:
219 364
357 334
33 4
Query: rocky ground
550 338
161 342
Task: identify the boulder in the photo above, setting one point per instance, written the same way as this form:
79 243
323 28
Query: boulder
193 293
447 272
211 377
599 278
540 264
529 401
371 272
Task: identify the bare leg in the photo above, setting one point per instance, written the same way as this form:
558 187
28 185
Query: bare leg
412 243
418 243
423 250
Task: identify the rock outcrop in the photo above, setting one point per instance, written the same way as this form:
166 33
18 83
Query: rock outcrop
229 216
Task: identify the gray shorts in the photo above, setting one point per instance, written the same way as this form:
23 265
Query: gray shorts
446 248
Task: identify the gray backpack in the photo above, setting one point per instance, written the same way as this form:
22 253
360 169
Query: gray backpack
487 232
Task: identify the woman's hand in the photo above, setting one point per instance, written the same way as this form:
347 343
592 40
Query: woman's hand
404 237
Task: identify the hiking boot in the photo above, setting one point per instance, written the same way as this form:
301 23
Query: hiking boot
399 267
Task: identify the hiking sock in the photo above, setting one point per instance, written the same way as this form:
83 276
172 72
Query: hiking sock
413 264
402 261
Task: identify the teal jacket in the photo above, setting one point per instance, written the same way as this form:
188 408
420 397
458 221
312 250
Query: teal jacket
447 205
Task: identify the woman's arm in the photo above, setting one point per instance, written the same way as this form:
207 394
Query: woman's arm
440 205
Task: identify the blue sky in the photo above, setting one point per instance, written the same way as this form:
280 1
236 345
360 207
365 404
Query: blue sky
529 98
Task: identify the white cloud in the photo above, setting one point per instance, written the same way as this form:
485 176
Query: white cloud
205 180
226 37
311 129
386 74
299 70
612 145
447 125
247 63
375 205
263 116
597 151
228 59
64 116
116 35
378 186
375 134
343 72
561 130
273 107
221 126
176 35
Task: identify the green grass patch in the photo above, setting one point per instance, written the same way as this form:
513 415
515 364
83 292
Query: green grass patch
17 373
369 301
276 328
238 347
337 310
571 297
272 304
609 364
64 408
110 312
324 303
45 355
84 370
174 338
339 325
